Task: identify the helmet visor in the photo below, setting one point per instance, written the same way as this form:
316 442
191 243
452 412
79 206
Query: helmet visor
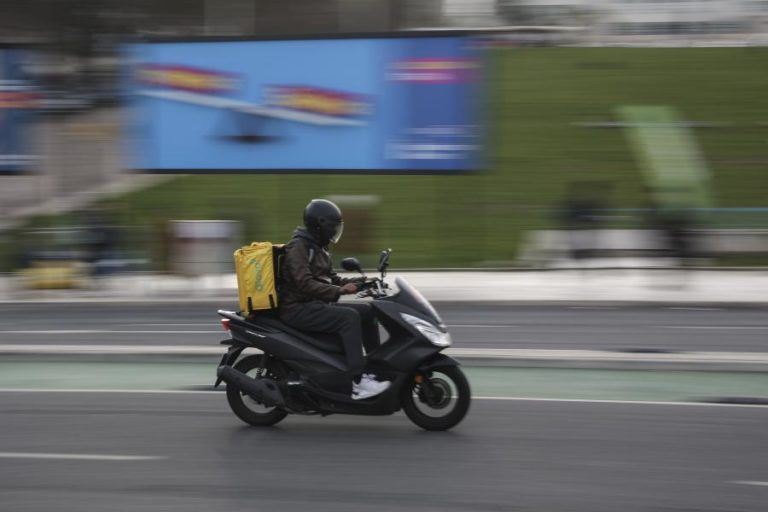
338 229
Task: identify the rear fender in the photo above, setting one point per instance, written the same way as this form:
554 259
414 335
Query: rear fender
229 358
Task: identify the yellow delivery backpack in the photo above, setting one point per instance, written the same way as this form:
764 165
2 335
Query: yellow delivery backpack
257 267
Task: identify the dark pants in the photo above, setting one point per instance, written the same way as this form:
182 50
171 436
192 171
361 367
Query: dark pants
370 326
355 323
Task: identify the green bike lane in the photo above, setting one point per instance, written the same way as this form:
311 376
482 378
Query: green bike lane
486 382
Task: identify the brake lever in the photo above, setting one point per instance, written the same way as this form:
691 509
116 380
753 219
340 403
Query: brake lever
365 292
374 288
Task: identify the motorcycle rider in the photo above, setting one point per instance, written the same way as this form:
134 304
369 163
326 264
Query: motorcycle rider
311 289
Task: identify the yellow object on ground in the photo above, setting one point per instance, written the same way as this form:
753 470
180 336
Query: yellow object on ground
49 275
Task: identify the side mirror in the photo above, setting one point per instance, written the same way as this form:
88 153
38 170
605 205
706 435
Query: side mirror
351 265
384 261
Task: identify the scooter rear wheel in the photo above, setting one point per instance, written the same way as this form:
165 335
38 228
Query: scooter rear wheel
437 401
245 407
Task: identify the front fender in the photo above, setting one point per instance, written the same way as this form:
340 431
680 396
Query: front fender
437 361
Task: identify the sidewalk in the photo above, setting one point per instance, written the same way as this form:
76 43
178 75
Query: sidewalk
746 287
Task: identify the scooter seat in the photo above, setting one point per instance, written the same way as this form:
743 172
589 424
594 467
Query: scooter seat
328 342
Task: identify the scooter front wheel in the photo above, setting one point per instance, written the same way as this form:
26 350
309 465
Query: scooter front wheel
438 400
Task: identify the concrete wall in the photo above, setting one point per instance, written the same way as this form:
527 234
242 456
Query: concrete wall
79 156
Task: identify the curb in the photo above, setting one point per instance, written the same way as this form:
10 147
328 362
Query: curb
228 299
511 358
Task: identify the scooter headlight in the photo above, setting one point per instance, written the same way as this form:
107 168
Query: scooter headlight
430 331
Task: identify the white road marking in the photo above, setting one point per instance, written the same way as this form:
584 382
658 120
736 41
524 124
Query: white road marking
750 482
717 327
213 392
605 401
680 308
184 350
114 391
487 326
78 331
219 331
187 324
107 331
75 456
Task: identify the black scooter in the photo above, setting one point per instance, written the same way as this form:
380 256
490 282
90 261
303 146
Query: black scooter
305 373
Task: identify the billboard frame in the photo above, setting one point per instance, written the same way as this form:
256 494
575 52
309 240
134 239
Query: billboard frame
405 34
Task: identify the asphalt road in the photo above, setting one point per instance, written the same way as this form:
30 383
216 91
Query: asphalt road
507 455
472 325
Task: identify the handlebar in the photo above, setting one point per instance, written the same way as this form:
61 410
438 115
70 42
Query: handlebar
374 287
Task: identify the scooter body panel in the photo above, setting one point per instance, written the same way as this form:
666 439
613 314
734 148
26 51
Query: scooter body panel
284 346
405 348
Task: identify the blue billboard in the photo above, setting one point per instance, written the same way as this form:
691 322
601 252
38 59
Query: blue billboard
18 101
334 105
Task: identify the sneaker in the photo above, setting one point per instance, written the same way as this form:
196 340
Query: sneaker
369 381
368 387
361 394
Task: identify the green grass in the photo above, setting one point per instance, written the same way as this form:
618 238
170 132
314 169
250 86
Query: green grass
537 96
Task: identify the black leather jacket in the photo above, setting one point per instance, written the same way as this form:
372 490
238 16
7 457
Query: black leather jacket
307 273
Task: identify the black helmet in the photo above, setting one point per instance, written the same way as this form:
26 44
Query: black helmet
323 219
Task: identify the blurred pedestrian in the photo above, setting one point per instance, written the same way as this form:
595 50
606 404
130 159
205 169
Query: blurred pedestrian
581 216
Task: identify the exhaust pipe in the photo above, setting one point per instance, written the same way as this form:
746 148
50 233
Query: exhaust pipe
264 390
